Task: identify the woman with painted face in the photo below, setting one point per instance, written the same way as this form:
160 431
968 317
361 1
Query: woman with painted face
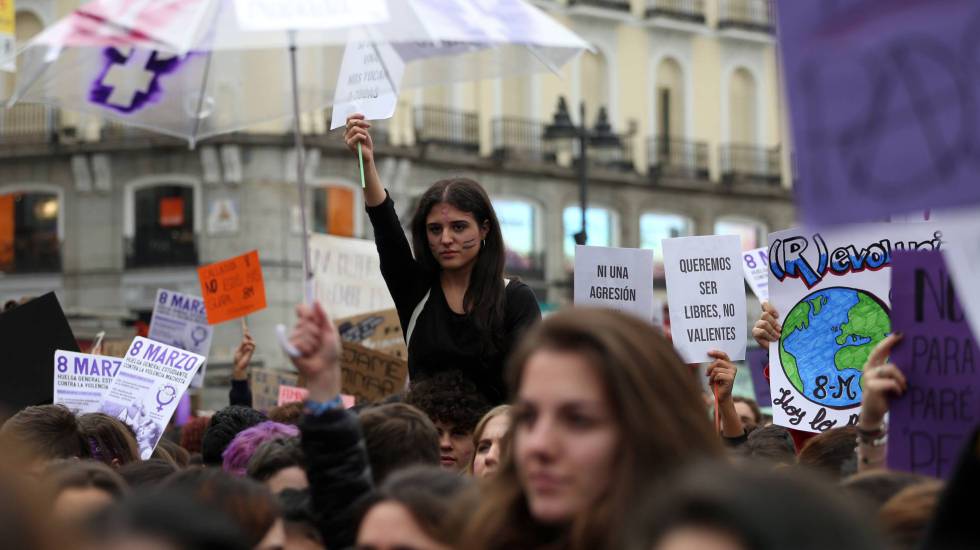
455 306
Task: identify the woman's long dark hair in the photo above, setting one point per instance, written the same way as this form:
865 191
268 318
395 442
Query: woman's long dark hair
484 298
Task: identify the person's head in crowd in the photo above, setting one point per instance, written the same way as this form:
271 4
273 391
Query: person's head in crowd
772 444
748 411
9 305
720 507
25 513
147 473
905 516
413 508
49 432
247 502
109 440
877 486
163 520
179 454
193 432
396 436
489 441
604 409
224 426
79 488
454 405
831 453
279 464
240 450
299 520
160 452
290 413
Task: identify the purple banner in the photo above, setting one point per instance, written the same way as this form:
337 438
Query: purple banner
883 100
928 425
757 360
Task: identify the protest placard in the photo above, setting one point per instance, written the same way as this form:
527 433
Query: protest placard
370 74
706 295
831 290
755 265
615 278
265 386
370 375
180 320
880 105
29 336
378 330
757 359
930 423
81 379
232 288
348 275
147 389
276 15
291 394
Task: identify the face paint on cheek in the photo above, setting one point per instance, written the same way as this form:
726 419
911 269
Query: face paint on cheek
470 243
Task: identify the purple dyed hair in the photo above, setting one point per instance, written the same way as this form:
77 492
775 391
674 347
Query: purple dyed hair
240 450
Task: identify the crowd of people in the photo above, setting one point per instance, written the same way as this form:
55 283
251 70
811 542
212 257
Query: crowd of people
584 430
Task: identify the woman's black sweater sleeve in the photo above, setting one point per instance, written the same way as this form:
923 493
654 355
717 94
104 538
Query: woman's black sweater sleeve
406 279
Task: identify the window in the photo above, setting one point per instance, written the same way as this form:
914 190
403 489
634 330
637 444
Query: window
753 233
164 233
655 226
29 241
519 226
335 210
600 225
670 99
742 108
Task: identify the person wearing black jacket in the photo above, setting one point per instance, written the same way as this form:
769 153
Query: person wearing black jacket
456 309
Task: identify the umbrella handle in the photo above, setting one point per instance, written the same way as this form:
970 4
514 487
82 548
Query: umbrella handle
284 341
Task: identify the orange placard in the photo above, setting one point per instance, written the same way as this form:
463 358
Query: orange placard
6 231
340 211
171 212
232 288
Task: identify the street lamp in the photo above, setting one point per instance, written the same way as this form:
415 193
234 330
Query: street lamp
601 136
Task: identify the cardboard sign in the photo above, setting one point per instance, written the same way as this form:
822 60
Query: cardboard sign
30 334
348 275
378 330
147 389
831 289
370 74
291 394
180 320
706 295
881 105
276 15
81 380
938 354
755 265
756 360
370 375
232 288
265 386
615 278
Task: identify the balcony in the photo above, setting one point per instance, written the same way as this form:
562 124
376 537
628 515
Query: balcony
521 139
615 10
614 5
29 123
746 15
447 128
686 11
677 158
741 163
614 159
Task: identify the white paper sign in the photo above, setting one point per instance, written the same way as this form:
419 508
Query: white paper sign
706 295
180 320
81 379
347 275
367 84
755 264
831 290
615 278
961 250
282 15
147 388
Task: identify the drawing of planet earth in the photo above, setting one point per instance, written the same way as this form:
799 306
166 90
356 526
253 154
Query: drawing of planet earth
827 337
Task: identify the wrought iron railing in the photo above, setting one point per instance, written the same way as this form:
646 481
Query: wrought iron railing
521 139
683 10
751 15
618 5
447 127
29 123
677 158
750 163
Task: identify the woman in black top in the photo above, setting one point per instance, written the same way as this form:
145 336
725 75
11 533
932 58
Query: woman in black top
456 309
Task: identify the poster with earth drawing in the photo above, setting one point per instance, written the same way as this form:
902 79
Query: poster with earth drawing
831 289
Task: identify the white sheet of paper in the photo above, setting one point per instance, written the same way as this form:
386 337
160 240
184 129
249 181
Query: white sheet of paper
755 264
347 274
961 250
367 84
81 379
283 15
706 295
615 278
147 388
180 320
